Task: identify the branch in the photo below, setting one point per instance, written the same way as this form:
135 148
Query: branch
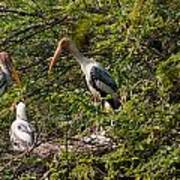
14 158
20 13
33 29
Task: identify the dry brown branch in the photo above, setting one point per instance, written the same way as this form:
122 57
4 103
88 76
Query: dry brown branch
13 159
45 175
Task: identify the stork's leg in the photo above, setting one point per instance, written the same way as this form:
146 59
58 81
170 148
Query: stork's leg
96 99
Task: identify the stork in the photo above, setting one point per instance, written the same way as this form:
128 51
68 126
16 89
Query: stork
7 71
21 132
99 81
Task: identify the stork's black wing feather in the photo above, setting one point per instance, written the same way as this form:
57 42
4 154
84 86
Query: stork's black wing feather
3 82
101 78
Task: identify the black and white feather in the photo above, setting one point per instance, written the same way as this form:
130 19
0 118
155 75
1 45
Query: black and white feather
5 77
4 81
101 84
21 132
99 81
102 81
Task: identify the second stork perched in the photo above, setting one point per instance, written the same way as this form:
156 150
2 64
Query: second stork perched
6 71
21 132
99 81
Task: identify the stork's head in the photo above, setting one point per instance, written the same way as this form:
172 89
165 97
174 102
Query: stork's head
5 61
64 43
7 66
21 111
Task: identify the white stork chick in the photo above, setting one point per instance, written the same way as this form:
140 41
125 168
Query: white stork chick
21 132
7 71
99 81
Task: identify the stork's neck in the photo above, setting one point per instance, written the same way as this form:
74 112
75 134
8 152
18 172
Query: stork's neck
83 61
21 115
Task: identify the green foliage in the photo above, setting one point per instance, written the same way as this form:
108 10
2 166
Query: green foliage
169 71
139 43
83 171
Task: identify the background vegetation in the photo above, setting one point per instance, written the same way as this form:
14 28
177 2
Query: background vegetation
138 41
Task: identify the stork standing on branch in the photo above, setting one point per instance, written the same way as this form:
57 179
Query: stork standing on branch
21 132
99 81
7 71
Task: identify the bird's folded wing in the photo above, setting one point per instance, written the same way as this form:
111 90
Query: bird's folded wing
102 81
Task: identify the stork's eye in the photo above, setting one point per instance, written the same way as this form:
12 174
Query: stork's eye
17 103
19 127
15 144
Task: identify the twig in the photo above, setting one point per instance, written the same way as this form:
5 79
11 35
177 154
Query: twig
15 158
118 3
35 28
45 175
19 12
67 147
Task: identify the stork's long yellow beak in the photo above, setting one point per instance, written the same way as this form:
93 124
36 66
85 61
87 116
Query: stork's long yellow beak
54 58
52 62
15 76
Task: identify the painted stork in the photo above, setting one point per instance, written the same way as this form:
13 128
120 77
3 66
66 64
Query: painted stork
21 132
99 81
7 71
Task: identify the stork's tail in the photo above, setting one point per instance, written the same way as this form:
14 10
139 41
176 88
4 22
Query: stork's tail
113 103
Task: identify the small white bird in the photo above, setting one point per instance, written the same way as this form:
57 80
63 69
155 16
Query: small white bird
99 81
7 71
21 132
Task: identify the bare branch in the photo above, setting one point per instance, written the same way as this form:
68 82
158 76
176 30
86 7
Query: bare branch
20 13
32 30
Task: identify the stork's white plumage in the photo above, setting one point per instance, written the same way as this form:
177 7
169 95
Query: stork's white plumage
98 79
7 71
21 132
